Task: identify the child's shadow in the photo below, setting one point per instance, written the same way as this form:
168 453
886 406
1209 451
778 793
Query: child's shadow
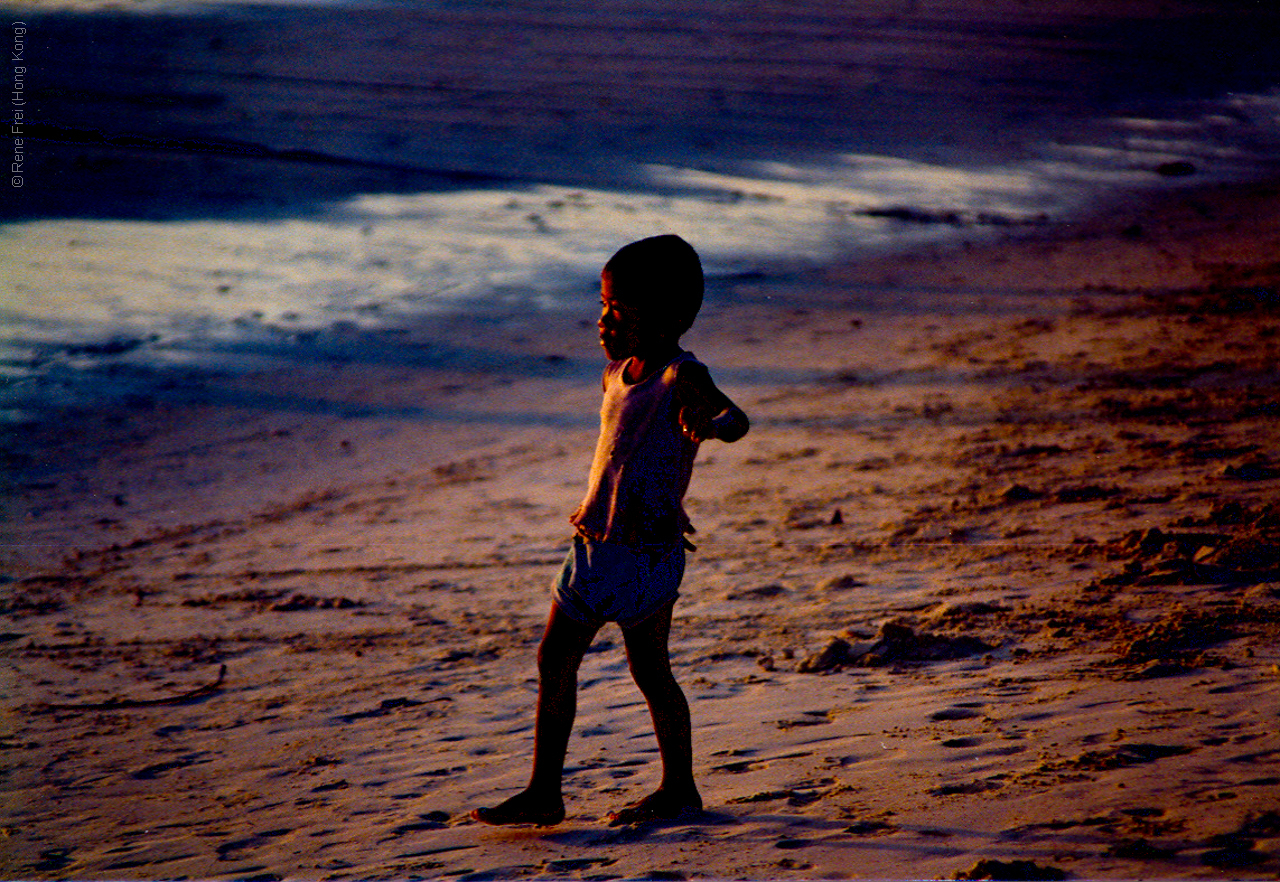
656 830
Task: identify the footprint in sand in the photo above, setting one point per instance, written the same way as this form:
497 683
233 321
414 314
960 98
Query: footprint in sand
760 593
737 767
1010 870
53 860
838 584
575 865
340 784
966 788
869 828
157 769
230 850
430 821
793 843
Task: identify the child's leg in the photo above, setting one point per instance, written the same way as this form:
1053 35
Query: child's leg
651 667
564 644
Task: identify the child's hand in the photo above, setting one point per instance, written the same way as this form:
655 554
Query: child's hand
696 424
705 412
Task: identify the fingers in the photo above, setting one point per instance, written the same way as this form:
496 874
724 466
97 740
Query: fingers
696 426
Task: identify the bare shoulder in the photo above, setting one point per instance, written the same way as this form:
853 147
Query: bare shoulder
694 383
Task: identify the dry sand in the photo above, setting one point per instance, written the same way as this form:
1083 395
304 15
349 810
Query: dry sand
995 578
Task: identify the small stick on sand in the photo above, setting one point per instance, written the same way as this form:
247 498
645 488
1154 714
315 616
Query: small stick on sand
123 703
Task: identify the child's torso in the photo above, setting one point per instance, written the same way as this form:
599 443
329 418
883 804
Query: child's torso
642 464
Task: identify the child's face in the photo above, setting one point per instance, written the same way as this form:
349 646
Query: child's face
620 325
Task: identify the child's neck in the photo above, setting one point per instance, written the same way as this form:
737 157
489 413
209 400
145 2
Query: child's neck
650 359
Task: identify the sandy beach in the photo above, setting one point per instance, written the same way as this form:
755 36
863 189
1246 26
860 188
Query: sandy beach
990 591
995 582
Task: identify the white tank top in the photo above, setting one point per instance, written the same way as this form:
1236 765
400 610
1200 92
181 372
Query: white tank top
642 463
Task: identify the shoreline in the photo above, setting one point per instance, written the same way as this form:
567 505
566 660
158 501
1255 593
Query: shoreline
1138 245
1042 627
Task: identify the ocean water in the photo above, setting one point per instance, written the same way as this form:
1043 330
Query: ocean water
98 285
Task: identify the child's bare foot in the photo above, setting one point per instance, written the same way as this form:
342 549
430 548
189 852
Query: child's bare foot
523 808
661 805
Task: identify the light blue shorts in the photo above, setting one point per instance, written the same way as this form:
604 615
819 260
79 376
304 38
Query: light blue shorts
607 582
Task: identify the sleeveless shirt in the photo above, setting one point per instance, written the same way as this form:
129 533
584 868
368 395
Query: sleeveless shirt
642 462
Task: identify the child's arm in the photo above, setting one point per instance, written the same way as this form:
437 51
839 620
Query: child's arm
706 412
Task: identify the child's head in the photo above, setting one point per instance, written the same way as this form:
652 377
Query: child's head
661 277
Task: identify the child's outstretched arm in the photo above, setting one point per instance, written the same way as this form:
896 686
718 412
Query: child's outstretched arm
705 412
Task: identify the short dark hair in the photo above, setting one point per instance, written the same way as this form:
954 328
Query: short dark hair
662 273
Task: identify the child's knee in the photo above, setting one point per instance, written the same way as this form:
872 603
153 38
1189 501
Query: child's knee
552 659
563 644
557 658
655 683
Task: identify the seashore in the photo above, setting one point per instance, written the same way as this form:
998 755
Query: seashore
992 590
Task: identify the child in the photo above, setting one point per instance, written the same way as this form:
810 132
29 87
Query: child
627 558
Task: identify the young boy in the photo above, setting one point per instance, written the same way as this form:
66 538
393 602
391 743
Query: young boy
627 558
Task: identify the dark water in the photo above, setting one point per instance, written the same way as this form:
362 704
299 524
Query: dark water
223 107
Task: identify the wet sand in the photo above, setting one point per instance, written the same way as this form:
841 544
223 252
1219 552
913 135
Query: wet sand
993 579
